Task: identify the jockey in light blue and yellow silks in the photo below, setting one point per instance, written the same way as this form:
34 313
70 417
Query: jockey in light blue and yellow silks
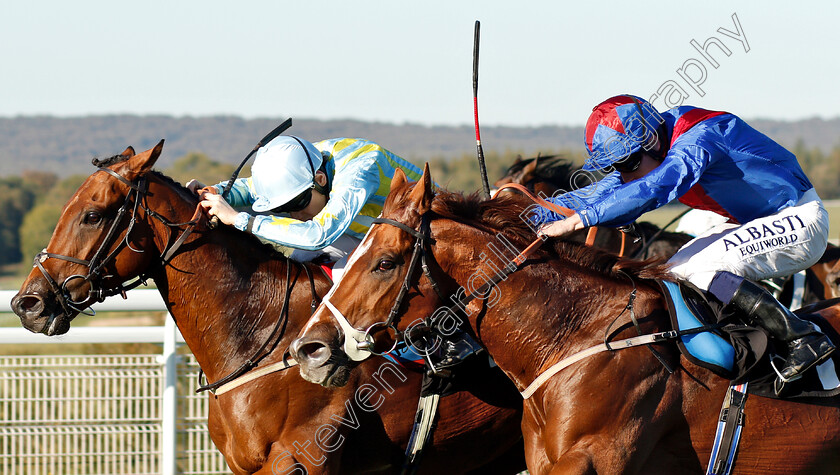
351 176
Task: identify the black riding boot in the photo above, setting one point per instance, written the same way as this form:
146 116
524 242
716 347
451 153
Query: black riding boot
807 346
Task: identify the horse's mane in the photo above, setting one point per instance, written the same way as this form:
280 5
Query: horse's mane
503 215
832 253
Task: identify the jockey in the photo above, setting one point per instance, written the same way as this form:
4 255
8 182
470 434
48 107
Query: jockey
317 201
776 224
311 201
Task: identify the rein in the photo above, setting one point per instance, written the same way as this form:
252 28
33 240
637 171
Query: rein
591 233
229 382
641 340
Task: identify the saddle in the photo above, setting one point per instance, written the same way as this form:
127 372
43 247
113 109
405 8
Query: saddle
740 352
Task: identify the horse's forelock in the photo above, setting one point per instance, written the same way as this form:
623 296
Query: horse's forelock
107 162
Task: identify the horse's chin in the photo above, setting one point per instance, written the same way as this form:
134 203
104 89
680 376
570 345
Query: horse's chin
333 374
328 376
59 326
52 325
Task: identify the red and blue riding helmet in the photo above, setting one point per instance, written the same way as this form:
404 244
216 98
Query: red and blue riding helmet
618 127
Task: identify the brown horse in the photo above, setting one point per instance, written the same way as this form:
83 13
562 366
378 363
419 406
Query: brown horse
614 412
545 175
226 291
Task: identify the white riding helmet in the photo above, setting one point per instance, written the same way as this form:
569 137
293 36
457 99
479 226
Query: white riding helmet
283 169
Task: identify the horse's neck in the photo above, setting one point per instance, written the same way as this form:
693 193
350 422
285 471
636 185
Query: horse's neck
557 316
224 293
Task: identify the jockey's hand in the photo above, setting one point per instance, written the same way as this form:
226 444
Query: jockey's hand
195 185
215 205
562 227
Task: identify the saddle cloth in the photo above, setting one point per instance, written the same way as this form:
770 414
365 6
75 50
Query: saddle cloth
740 352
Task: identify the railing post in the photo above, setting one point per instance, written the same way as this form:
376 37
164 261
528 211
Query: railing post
170 401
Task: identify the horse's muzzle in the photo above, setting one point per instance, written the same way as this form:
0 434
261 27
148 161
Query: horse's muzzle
321 362
39 317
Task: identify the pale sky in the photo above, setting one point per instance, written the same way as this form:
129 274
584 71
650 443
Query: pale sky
541 62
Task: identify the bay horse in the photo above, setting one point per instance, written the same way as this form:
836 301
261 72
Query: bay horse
545 175
225 290
613 412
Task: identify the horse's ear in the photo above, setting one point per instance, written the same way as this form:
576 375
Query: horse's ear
143 162
422 193
531 167
399 179
129 152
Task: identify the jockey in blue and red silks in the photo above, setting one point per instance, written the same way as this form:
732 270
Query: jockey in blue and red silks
709 160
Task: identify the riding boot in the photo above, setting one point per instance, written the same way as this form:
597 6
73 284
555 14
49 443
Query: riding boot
807 345
456 348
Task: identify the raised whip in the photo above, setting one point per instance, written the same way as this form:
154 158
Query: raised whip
214 221
481 166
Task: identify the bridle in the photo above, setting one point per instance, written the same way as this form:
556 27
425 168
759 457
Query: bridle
135 199
358 344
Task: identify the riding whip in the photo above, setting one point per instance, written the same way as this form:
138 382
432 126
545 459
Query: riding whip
484 183
214 221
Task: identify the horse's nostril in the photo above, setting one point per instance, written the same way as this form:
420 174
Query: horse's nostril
314 352
27 305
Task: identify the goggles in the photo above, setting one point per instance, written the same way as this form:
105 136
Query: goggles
297 203
629 164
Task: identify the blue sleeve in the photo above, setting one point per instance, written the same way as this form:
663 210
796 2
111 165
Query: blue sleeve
679 171
577 199
240 193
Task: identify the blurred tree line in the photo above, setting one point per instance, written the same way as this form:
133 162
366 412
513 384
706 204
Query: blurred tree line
31 204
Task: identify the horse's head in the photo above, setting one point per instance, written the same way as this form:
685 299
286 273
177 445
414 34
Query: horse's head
95 247
544 174
382 274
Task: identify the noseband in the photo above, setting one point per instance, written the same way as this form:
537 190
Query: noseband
359 344
137 190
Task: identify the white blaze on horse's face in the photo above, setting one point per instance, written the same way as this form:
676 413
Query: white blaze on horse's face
357 343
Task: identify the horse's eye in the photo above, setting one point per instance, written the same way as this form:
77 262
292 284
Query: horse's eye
92 218
385 265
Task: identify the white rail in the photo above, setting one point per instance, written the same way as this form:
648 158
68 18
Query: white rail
45 373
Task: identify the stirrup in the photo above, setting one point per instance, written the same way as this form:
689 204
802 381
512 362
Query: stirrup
780 382
468 348
779 376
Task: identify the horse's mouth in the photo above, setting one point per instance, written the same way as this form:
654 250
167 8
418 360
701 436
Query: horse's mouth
52 325
41 315
338 377
328 365
56 325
